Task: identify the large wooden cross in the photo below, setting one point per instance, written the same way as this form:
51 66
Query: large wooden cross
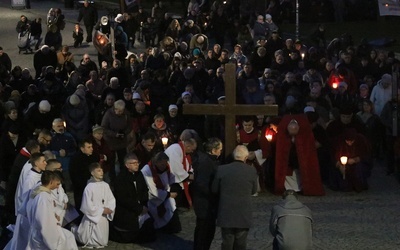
230 110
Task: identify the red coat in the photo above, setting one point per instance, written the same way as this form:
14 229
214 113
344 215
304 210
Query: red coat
306 153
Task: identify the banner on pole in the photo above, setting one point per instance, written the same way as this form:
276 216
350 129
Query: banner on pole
389 7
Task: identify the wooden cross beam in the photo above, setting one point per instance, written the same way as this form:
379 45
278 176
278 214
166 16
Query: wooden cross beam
230 110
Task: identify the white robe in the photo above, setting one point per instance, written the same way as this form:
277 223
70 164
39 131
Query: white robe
93 230
45 231
176 155
158 196
22 177
60 198
21 231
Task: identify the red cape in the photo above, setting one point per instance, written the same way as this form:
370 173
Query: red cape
306 153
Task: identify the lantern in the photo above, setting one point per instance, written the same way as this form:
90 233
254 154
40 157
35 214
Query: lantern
102 43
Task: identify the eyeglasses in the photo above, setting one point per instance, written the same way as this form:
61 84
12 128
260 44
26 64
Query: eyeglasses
87 58
134 162
47 140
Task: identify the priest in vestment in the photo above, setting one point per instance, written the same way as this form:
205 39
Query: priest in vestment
296 157
163 190
181 167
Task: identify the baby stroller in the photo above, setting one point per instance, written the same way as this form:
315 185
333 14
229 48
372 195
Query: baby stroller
25 42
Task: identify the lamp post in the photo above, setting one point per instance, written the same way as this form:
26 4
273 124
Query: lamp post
297 20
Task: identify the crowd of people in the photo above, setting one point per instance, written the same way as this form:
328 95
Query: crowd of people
113 132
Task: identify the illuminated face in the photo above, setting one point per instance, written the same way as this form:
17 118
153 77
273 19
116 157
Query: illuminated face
41 163
110 100
293 128
217 151
13 115
119 111
187 99
87 148
58 127
44 139
148 144
132 165
159 122
128 96
98 173
248 126
98 135
173 112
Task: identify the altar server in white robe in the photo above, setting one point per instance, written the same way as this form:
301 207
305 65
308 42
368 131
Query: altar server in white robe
98 207
162 191
21 231
60 197
26 169
45 230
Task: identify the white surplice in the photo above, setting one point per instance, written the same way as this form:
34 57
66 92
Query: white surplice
45 231
158 197
22 177
176 155
21 232
93 230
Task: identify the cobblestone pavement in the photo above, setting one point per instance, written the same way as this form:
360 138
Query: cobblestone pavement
349 221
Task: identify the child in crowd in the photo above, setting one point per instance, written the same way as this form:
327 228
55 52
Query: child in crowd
98 206
77 35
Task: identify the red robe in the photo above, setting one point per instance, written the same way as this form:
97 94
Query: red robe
306 153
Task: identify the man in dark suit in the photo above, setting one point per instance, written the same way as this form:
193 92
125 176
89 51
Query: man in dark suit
204 202
235 183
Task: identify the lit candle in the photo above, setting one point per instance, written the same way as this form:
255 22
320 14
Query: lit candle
302 56
164 141
343 160
65 124
268 135
335 85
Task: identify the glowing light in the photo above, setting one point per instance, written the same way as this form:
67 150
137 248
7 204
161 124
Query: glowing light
343 160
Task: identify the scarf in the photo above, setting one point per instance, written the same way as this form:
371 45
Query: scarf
24 152
156 177
161 210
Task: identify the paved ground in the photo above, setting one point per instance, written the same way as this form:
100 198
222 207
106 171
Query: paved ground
349 221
